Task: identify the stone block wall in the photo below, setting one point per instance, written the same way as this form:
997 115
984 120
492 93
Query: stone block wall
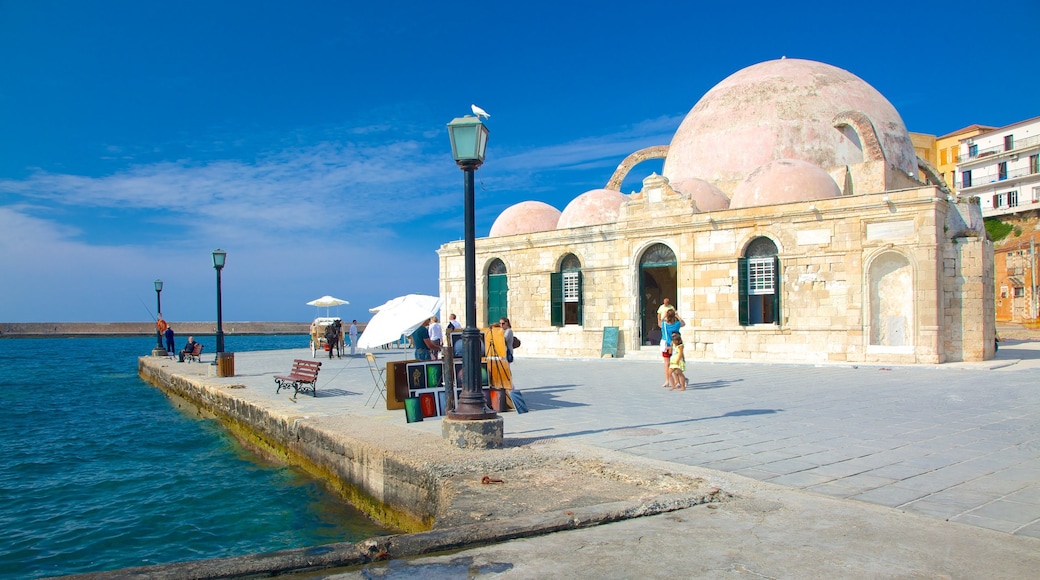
824 248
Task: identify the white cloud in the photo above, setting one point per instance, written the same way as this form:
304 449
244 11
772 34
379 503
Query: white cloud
353 219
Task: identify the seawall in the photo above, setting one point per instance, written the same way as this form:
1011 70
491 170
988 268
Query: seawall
88 329
390 487
404 475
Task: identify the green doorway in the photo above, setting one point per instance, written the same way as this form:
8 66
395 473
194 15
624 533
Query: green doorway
658 275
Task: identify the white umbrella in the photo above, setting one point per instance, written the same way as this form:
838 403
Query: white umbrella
327 301
398 316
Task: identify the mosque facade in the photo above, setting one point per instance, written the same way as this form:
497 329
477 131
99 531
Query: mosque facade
792 222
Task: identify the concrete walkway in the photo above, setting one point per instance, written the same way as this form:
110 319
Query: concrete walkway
855 470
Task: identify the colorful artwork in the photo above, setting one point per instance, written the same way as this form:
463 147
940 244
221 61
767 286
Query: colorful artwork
417 376
434 380
428 403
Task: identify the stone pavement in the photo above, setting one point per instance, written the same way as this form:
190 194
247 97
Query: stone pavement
959 442
829 451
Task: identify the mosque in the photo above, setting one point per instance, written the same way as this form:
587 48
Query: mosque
792 222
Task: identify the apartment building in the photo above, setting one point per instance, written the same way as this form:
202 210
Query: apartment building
1002 168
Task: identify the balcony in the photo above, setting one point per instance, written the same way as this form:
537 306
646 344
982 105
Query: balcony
981 180
989 151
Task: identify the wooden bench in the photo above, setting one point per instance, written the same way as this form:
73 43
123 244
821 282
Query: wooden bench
195 354
303 377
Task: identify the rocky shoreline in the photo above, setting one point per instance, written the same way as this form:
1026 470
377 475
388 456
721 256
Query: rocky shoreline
92 329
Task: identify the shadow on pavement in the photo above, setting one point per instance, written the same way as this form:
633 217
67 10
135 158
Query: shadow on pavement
740 413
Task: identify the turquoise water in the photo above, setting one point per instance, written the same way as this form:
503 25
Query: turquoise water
98 471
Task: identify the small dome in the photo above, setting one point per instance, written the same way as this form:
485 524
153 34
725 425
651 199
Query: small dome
525 218
705 195
598 206
784 181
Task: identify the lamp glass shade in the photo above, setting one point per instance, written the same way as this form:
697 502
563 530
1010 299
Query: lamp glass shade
158 285
468 139
219 256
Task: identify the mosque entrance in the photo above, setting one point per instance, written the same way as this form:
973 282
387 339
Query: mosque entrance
658 272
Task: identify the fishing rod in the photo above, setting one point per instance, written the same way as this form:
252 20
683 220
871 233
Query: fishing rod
148 309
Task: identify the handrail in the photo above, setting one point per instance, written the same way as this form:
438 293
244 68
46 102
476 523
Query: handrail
1018 144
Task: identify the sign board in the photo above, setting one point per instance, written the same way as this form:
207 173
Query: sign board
610 342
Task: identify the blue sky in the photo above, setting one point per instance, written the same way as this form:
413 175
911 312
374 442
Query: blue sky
308 139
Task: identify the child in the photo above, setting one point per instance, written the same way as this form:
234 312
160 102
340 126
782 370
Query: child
678 364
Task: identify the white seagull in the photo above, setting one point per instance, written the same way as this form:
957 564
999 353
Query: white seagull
479 112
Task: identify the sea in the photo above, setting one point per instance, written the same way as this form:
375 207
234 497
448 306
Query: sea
99 471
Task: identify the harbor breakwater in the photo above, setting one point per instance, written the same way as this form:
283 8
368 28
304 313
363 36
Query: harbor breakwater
91 329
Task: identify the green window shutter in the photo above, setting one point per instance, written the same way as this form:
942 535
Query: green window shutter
776 289
498 298
581 299
742 288
556 298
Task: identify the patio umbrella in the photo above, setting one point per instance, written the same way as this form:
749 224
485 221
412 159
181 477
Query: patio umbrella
327 301
398 316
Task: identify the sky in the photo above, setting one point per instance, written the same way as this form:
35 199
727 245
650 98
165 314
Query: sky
308 139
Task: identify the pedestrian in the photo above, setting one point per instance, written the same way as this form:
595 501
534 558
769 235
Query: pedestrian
678 364
453 324
665 307
170 347
670 323
507 331
353 337
436 338
421 339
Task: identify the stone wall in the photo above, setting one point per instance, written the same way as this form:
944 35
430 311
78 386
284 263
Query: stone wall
38 329
825 249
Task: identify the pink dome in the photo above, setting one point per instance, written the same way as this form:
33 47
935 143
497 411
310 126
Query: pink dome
784 181
783 109
524 218
598 206
705 195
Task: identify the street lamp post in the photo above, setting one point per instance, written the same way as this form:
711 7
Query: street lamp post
159 350
219 257
468 145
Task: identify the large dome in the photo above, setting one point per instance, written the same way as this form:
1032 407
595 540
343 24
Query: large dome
598 206
783 109
525 218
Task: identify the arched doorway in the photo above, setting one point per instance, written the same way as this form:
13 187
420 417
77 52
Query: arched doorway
658 272
497 291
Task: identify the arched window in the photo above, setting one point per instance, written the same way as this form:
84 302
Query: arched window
566 292
758 275
497 291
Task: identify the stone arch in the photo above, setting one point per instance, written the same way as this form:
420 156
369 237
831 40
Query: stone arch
655 152
890 289
864 132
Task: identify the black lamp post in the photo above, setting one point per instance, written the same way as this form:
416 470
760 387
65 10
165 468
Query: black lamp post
219 257
468 145
158 310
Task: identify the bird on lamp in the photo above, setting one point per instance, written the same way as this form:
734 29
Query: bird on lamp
479 112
